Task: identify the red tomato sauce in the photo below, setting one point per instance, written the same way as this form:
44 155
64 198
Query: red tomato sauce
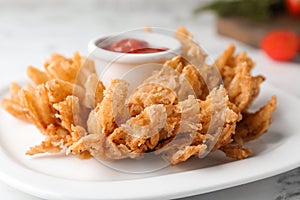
130 45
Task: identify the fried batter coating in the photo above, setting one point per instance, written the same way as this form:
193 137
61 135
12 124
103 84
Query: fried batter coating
255 124
193 54
13 105
219 117
93 91
61 68
55 139
183 79
103 121
176 141
236 152
43 104
139 134
149 94
190 49
183 118
192 75
167 77
190 117
216 118
37 76
112 110
56 104
103 149
68 112
186 153
242 87
28 101
187 108
147 123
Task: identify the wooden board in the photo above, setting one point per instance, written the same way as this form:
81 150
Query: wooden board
251 32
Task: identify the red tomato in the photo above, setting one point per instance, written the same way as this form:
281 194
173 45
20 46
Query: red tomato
293 6
281 45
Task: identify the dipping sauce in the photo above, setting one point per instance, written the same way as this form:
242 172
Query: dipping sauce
130 45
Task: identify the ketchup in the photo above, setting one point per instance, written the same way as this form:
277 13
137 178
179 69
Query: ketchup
130 45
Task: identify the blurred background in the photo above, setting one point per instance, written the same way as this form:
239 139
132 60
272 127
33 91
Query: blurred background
30 30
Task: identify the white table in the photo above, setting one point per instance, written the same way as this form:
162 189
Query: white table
31 30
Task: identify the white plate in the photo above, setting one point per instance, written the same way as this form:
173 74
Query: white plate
59 177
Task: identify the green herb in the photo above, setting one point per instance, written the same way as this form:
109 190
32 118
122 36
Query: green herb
258 10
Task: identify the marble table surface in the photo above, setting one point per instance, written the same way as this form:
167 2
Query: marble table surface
31 30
